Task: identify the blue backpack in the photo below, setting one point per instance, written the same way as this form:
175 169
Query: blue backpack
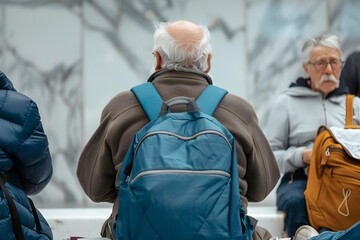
179 178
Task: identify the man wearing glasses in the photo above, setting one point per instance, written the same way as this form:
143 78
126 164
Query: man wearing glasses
299 111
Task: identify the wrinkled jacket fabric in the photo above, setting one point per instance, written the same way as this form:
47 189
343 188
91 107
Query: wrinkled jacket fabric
295 118
24 156
100 162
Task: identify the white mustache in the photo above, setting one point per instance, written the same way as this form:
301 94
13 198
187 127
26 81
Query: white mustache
330 77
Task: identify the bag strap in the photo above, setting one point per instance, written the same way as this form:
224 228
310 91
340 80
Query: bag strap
210 98
36 216
13 211
349 110
151 101
349 122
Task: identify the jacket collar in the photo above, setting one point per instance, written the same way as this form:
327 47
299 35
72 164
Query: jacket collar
198 74
305 82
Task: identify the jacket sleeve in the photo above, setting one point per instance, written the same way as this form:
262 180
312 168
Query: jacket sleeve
33 159
289 158
258 170
262 172
96 171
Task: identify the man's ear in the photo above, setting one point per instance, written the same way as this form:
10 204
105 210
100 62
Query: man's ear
209 63
158 61
305 67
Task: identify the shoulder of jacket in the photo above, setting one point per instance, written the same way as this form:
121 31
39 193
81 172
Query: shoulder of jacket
119 103
235 107
15 103
17 96
233 101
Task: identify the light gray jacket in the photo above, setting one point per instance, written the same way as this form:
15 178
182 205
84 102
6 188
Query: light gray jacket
294 121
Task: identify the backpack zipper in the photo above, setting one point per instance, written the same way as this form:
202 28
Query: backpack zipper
341 150
182 137
327 154
190 172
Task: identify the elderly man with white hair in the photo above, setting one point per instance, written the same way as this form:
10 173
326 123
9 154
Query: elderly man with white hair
183 54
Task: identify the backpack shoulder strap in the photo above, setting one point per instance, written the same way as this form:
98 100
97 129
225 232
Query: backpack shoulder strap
15 218
149 99
210 98
349 110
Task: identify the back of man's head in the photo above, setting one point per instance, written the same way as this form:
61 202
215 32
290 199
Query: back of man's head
325 40
183 46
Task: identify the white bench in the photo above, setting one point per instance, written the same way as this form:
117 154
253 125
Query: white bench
87 222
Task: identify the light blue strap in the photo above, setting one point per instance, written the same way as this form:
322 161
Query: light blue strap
149 99
210 98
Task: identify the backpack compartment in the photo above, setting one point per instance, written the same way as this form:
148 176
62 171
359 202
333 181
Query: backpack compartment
338 201
172 170
332 193
179 178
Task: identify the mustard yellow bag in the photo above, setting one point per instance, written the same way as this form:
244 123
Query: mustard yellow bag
333 188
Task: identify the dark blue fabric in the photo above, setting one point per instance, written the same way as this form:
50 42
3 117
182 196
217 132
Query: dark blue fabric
23 151
305 82
350 74
165 190
292 204
349 234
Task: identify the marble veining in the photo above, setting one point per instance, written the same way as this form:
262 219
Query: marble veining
72 56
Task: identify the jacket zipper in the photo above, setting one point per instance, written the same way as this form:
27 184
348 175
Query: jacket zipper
324 108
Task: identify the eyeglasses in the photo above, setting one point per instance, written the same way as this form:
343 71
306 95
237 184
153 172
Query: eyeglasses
321 65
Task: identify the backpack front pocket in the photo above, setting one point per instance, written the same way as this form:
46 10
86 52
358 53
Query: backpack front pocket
173 201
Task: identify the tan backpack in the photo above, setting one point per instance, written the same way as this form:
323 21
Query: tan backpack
333 188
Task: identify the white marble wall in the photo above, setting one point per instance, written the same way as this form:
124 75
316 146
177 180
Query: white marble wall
71 57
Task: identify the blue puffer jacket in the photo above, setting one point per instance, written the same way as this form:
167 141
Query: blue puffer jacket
25 156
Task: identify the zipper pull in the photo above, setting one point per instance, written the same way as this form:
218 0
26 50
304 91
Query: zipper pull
327 153
127 179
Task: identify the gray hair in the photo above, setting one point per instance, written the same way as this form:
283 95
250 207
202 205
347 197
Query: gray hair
175 56
326 40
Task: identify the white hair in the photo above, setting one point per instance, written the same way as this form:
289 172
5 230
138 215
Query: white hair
176 56
325 40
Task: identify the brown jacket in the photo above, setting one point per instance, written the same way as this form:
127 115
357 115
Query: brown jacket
100 161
